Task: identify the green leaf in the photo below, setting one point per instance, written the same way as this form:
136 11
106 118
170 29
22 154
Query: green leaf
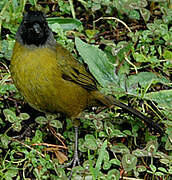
168 144
38 137
134 14
163 98
127 132
41 120
162 169
66 23
15 5
5 140
167 54
10 115
141 168
115 161
90 142
120 148
97 62
139 57
17 126
24 116
140 153
145 14
152 146
106 165
129 162
153 168
113 174
56 123
118 133
91 33
33 2
12 172
146 78
165 161
101 155
159 174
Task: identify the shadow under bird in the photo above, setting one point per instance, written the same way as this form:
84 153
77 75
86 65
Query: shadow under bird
51 80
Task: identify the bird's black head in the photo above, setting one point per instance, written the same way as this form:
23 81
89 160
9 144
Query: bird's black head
34 29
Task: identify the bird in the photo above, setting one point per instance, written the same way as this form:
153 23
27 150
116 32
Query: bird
51 80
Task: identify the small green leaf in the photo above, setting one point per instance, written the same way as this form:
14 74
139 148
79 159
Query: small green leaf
152 146
145 14
167 55
17 126
38 137
41 120
129 162
140 153
56 123
98 124
127 132
113 174
11 173
139 57
164 161
141 168
33 2
5 140
106 165
168 145
120 148
66 23
118 133
90 142
152 167
162 169
170 170
106 156
115 161
101 155
91 33
10 115
134 14
24 116
159 174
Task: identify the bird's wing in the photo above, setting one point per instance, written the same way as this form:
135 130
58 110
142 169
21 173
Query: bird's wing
72 70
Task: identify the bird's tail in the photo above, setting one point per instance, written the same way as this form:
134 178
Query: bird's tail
109 101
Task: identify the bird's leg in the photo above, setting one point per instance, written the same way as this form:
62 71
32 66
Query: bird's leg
76 158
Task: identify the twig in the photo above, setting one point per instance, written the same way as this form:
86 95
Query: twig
55 134
131 178
116 19
126 58
49 145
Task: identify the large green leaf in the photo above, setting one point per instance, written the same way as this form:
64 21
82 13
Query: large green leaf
163 98
66 23
146 78
97 62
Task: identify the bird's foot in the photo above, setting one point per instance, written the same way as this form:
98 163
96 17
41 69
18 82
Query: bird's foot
75 160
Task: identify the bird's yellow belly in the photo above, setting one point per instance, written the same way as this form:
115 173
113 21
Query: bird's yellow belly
36 75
